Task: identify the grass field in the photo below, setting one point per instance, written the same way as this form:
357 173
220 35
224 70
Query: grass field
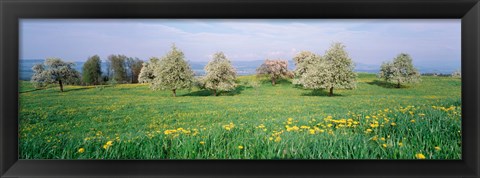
374 121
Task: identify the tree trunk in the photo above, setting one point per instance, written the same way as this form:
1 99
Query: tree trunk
61 85
273 81
398 84
174 92
331 92
214 92
133 77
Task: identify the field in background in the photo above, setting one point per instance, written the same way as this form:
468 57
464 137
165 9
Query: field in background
374 121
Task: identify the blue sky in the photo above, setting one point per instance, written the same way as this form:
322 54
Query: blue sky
368 41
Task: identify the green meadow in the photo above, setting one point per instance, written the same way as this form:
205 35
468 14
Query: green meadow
130 121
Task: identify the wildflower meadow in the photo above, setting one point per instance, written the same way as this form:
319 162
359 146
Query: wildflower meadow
256 120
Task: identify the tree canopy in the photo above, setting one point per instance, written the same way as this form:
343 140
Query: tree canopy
134 66
303 61
92 71
274 69
54 70
399 71
220 74
118 71
334 71
172 72
146 73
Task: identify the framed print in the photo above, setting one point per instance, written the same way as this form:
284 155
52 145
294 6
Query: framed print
239 88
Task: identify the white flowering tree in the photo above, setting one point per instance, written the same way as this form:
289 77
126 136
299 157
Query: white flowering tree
220 74
303 61
54 70
172 72
146 73
457 74
399 71
274 69
334 71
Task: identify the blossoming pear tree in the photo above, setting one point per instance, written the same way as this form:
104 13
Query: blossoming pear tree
335 70
220 74
303 61
399 71
146 73
172 72
54 70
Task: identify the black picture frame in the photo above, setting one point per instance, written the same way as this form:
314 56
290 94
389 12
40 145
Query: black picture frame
466 10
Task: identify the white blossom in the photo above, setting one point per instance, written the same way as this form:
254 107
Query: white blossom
399 71
220 74
172 72
334 70
54 70
146 73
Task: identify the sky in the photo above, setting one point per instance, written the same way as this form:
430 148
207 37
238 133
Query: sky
368 41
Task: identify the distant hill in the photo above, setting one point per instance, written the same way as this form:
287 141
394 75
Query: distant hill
243 67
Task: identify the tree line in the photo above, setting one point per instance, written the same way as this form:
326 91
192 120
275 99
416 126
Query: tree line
332 70
120 69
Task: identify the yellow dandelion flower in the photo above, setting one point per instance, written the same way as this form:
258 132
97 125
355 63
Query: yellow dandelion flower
369 130
374 138
229 126
168 132
271 138
311 131
412 121
420 156
383 139
367 117
108 144
438 148
240 147
81 150
202 143
186 131
393 124
400 144
278 139
384 145
330 132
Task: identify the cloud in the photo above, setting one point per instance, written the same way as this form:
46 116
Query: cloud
368 41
